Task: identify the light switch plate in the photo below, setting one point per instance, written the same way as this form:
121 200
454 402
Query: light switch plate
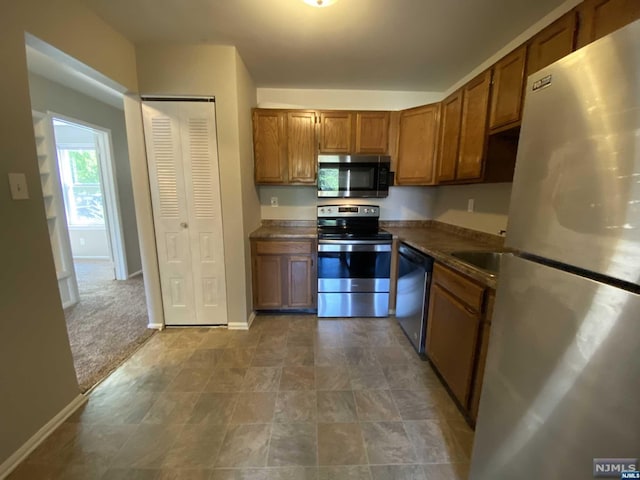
18 184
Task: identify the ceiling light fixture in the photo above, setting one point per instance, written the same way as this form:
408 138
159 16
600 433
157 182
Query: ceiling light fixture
319 3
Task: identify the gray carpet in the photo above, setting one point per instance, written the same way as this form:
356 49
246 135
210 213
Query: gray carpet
108 324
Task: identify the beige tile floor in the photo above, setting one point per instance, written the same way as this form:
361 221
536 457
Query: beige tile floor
295 397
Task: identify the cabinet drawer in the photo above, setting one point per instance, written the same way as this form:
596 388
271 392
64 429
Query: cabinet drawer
283 248
467 291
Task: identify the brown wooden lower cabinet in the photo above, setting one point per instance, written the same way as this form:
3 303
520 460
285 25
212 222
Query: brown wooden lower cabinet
284 274
451 340
458 334
485 330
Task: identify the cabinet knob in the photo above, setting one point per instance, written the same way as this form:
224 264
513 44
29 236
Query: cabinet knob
184 224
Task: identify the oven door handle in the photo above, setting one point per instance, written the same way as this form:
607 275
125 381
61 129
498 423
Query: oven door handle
353 246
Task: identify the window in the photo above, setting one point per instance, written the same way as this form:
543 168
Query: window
80 176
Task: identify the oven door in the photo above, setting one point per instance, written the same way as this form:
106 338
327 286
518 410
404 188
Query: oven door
361 180
353 266
353 278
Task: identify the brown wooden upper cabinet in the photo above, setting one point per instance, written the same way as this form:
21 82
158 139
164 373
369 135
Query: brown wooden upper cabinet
372 132
417 145
450 118
301 146
284 143
336 132
508 85
354 132
601 17
269 146
554 42
473 128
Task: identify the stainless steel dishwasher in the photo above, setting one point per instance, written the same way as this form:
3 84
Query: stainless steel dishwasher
412 295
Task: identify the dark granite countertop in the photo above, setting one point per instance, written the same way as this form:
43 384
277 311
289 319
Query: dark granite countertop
286 229
438 240
433 238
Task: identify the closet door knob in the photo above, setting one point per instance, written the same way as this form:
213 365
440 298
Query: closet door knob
184 224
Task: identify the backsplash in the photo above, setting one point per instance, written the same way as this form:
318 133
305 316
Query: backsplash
299 203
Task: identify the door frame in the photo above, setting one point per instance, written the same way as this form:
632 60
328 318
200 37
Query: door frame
108 184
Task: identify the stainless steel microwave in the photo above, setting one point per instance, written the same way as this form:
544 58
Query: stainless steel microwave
354 176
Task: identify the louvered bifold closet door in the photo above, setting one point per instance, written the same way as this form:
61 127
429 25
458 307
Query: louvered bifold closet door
170 217
199 148
185 192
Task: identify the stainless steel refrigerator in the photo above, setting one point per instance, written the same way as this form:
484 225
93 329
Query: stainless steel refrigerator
562 380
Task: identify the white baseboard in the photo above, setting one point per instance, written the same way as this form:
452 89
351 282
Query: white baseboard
242 325
135 274
10 464
155 326
238 326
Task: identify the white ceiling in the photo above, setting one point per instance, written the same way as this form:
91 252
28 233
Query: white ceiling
420 45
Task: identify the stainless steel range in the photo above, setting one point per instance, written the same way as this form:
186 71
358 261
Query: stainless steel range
354 262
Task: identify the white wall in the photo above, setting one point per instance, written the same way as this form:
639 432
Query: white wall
491 206
343 99
37 377
89 242
299 203
213 70
250 201
47 95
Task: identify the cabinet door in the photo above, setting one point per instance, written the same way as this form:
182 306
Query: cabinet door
372 132
452 333
301 147
552 43
508 85
473 129
417 146
449 136
485 331
335 132
269 146
267 281
300 279
601 17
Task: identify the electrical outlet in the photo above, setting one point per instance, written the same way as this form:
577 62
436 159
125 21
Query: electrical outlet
274 201
18 184
470 205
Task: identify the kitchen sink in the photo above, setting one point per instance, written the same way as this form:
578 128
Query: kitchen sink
488 261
